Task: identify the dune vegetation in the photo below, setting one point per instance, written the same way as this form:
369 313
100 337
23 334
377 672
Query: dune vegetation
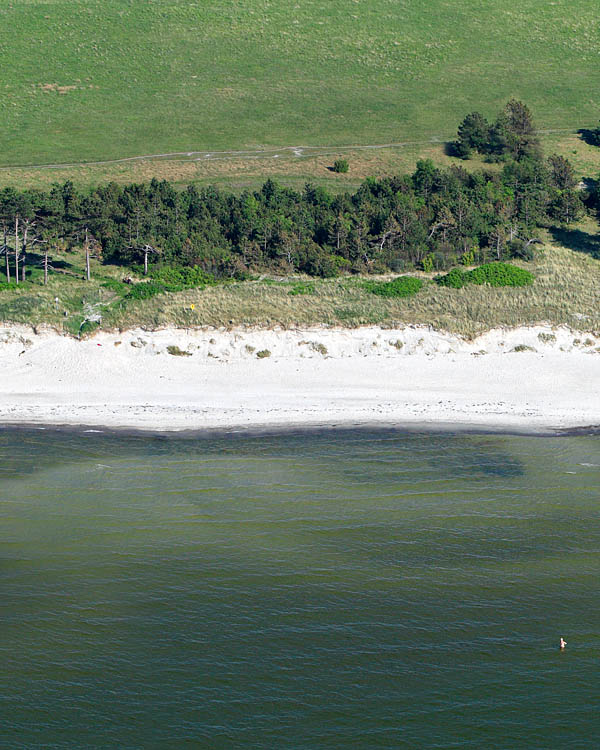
565 291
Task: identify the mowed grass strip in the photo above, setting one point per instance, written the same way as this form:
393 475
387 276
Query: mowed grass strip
240 172
89 80
243 172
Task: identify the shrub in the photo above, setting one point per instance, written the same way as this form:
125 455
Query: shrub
403 286
170 280
523 348
115 286
518 249
546 338
317 346
145 290
177 352
499 274
468 257
341 166
493 274
263 353
428 262
182 278
341 263
302 287
88 326
455 279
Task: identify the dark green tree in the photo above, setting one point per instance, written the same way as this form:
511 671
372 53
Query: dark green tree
522 139
473 135
565 204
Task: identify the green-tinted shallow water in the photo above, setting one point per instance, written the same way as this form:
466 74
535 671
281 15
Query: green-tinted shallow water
366 589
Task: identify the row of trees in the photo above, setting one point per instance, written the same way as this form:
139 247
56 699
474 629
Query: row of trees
431 219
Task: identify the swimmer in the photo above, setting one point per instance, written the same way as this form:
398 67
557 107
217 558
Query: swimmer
563 643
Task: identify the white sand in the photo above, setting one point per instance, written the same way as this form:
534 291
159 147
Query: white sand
316 376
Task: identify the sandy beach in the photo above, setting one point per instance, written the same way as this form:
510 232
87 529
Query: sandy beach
534 378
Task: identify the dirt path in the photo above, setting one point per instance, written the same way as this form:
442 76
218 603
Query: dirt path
260 153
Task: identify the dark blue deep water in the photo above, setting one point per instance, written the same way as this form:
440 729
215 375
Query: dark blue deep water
342 589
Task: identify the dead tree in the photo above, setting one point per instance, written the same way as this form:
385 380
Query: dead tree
4 250
88 275
90 244
27 224
46 264
147 250
17 248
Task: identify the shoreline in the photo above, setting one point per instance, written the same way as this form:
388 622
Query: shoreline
267 430
531 380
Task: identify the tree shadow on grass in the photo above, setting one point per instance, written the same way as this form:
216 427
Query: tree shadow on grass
590 186
450 149
591 137
578 240
37 259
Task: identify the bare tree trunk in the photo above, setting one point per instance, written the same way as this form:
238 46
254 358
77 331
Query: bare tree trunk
45 265
87 257
24 252
7 259
17 249
146 251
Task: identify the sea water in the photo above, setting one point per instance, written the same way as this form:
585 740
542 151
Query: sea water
340 589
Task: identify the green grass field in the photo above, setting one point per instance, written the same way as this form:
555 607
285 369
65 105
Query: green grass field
89 80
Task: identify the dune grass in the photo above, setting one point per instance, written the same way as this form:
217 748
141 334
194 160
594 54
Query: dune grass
99 79
566 291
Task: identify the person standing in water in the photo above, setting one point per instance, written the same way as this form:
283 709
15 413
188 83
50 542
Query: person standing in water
563 643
